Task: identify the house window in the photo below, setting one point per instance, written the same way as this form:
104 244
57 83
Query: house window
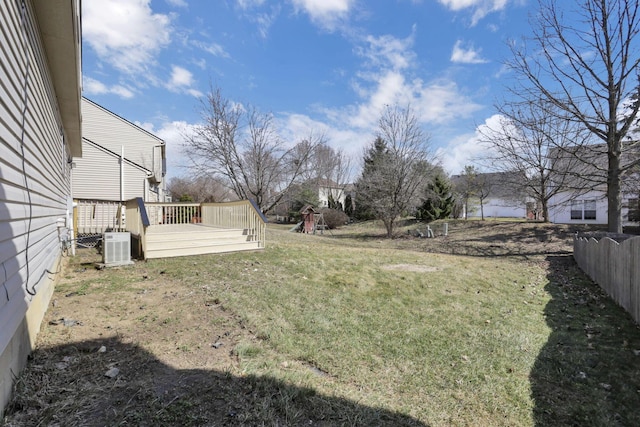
634 210
589 209
583 209
576 209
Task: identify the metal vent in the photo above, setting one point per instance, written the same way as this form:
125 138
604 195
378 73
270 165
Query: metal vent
116 249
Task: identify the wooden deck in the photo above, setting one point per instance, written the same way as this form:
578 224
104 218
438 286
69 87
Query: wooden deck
195 239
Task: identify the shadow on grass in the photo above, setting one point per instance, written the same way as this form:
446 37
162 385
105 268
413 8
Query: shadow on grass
67 386
588 373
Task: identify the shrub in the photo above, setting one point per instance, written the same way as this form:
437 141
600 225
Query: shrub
334 218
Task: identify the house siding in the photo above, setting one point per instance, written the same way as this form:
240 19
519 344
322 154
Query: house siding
497 208
560 207
34 184
112 132
105 136
97 176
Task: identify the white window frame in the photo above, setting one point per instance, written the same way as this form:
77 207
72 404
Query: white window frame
583 210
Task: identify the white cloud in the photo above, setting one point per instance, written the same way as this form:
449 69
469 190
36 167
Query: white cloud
466 56
175 135
178 3
94 87
180 76
249 4
182 81
125 33
263 19
460 152
214 49
326 14
266 20
480 8
389 51
469 149
296 127
388 80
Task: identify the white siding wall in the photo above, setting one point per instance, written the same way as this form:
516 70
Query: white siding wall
337 193
560 208
34 186
497 208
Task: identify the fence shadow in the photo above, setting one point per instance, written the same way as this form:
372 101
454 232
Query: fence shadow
588 372
67 385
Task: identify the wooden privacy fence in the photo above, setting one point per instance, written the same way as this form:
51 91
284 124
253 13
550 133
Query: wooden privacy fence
614 266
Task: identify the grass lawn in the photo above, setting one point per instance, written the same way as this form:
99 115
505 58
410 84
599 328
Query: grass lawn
491 325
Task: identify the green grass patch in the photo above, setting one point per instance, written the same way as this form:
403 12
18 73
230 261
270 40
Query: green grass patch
492 325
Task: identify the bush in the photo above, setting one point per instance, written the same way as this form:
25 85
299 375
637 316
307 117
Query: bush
334 218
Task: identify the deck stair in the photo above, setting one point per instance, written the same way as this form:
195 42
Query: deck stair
194 239
161 230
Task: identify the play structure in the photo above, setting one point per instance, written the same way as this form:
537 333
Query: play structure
312 221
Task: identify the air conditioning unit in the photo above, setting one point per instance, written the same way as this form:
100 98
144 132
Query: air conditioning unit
116 249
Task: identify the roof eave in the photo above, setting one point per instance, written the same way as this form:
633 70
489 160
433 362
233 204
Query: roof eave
59 23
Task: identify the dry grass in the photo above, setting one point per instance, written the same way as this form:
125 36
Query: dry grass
347 328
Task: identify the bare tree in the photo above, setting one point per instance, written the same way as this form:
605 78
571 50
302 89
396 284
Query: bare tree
526 145
242 146
324 166
465 186
199 189
395 166
585 62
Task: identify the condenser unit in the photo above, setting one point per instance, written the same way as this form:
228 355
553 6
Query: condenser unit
116 249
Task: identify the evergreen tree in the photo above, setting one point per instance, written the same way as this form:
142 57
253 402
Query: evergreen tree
348 205
439 201
375 160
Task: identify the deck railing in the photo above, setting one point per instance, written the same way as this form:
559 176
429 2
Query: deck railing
137 221
173 213
97 216
242 214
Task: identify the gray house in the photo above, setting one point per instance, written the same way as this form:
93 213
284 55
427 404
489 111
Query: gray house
120 161
106 138
39 134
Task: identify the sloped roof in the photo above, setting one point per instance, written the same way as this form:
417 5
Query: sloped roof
584 167
499 185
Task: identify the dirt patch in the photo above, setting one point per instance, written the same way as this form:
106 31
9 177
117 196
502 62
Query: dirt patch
155 337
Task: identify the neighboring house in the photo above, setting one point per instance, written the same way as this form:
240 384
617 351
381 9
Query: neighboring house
500 197
100 175
330 189
39 134
585 199
120 162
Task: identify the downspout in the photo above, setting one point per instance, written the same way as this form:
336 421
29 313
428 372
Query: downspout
122 174
122 208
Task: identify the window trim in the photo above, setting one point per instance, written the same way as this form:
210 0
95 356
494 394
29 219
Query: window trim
584 210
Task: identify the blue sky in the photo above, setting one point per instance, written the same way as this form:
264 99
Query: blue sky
327 66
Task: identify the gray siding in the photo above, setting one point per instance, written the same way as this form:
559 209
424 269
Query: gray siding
112 132
34 182
97 176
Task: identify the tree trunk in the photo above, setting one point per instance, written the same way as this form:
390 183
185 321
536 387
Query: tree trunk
614 197
388 224
545 210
